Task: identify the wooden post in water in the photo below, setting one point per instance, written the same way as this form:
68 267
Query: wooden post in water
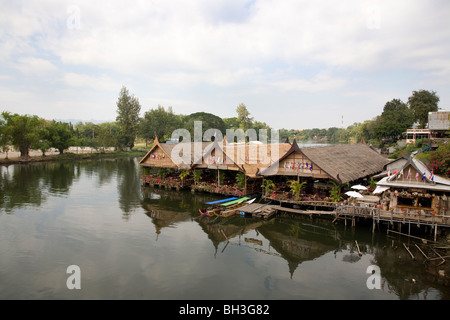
357 246
407 249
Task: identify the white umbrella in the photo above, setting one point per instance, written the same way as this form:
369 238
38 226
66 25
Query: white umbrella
359 187
354 194
380 189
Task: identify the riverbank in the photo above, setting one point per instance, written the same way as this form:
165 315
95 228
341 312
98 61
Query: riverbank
71 156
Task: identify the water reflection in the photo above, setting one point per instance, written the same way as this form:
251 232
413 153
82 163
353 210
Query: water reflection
299 240
288 257
31 185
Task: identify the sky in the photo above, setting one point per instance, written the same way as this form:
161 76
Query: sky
297 64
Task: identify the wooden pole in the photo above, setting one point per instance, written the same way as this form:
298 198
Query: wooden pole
407 249
423 253
224 234
404 234
357 246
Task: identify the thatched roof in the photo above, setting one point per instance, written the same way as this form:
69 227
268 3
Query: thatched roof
342 163
347 162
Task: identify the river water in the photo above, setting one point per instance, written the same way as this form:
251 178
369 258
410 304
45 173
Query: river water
132 242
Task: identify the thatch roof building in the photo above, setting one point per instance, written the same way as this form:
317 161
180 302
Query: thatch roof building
340 163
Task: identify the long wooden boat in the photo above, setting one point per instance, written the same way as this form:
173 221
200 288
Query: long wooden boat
232 207
223 208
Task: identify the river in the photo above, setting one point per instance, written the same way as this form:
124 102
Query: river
126 241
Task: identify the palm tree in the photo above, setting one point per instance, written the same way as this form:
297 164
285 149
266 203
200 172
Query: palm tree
296 187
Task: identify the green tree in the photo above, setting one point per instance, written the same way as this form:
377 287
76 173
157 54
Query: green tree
296 187
231 123
108 135
394 120
5 139
243 118
23 131
268 186
159 122
209 121
128 109
421 102
59 135
335 192
240 179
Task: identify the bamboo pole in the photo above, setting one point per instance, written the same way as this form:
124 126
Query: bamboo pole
224 234
423 253
357 246
407 249
404 234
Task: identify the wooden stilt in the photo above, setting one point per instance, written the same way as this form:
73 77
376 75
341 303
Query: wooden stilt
423 253
357 246
435 231
407 249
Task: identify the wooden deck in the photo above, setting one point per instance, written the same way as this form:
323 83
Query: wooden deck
351 212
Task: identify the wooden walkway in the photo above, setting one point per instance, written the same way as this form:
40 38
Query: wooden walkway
352 212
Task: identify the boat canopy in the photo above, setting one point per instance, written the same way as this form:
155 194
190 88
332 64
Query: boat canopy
223 200
234 201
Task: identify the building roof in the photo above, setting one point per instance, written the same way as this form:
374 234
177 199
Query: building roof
437 183
342 163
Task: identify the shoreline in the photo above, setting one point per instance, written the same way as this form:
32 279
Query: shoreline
71 156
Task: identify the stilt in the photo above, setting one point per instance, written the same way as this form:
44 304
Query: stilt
357 246
407 249
423 253
435 231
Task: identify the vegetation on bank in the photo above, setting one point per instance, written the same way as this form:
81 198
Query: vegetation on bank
27 132
74 156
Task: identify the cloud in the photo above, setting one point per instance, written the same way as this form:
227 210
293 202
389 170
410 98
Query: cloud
34 66
192 52
320 82
102 82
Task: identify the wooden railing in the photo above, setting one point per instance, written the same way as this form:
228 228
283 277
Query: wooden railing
413 216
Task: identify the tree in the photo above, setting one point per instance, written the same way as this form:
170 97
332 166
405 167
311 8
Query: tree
159 122
128 109
108 133
209 121
296 187
231 123
5 139
395 120
59 135
23 131
421 102
243 118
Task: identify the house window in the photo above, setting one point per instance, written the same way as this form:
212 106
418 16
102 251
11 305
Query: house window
424 202
405 201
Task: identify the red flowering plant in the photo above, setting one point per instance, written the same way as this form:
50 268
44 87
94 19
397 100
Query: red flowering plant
440 160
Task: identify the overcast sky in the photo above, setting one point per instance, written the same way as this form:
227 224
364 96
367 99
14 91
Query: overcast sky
294 64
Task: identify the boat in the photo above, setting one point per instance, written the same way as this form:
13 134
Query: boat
222 200
224 208
214 206
232 207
